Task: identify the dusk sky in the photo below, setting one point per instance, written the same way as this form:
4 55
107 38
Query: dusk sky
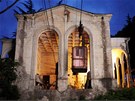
118 8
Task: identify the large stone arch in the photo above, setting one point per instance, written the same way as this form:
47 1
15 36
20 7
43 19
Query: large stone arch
67 33
37 32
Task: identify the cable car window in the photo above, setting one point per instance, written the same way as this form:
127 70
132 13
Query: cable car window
77 51
81 52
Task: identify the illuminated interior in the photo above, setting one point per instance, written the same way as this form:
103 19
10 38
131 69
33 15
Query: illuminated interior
120 67
77 80
47 59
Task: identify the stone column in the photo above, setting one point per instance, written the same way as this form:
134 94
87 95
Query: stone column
63 56
19 53
23 53
62 80
107 47
122 69
6 47
118 72
107 78
128 74
20 40
129 80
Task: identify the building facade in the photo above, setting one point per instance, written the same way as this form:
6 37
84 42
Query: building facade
44 45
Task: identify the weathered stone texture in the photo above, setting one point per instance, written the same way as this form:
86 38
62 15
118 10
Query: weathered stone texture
30 27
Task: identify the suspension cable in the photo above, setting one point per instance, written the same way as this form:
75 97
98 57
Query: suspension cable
44 5
80 28
81 10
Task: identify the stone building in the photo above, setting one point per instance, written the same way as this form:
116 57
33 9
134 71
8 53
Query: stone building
44 45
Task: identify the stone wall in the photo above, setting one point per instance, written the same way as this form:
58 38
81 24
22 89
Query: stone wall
30 27
67 95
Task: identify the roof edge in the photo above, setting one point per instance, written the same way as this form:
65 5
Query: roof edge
99 14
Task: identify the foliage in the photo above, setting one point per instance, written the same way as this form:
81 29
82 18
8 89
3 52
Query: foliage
29 8
129 31
8 7
7 76
121 94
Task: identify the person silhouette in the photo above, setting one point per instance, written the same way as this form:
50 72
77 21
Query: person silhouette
38 80
88 81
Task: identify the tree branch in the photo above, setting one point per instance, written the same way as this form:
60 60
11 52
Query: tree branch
9 7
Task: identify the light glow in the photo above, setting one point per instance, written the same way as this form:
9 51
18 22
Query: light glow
117 55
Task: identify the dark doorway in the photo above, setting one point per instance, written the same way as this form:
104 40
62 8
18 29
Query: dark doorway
46 81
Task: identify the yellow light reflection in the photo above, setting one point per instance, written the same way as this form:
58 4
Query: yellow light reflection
116 53
118 66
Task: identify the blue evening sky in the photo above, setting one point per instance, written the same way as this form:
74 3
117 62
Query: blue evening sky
118 8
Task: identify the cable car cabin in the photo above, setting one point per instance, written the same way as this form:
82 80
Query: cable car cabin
79 59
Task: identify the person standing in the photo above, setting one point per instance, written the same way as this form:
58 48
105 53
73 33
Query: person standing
88 81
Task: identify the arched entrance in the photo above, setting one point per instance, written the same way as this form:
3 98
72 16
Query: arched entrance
78 80
120 67
47 60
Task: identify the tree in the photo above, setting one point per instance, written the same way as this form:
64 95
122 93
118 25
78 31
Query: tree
29 8
8 91
7 8
129 31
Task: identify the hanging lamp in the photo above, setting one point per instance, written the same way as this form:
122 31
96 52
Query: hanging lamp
79 53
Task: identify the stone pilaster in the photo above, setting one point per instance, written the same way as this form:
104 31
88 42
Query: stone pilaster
20 40
107 55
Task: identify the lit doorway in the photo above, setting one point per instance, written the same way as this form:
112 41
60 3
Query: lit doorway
78 80
47 60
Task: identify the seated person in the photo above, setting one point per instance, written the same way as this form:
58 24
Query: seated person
38 80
